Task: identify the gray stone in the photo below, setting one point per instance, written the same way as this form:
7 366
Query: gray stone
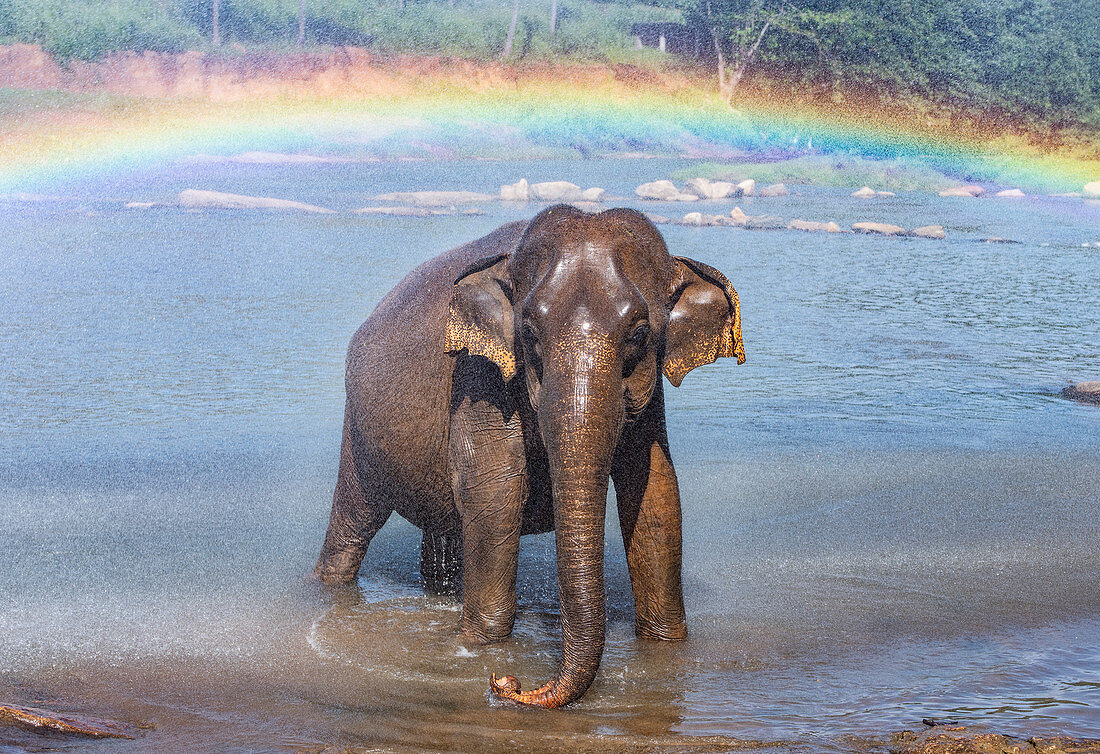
707 189
515 192
881 229
657 219
929 231
966 191
738 216
658 190
594 194
1011 194
196 199
1088 392
864 193
812 226
747 187
1091 190
998 239
776 189
884 194
556 191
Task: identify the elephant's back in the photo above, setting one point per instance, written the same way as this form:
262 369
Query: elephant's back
398 381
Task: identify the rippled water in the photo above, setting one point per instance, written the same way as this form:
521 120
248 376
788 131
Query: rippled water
890 513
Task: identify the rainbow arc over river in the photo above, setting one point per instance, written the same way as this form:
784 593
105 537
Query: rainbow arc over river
55 147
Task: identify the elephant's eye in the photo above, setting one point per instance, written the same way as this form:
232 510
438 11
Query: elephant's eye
640 336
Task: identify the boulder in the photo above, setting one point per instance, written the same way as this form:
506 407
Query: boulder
435 198
776 189
811 226
968 191
1091 190
706 189
765 222
747 187
685 197
658 190
657 219
880 229
515 192
1088 392
1011 194
738 216
196 199
583 206
699 219
929 231
864 193
556 191
594 194
884 194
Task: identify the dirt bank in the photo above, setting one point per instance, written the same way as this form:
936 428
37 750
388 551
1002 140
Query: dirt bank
341 72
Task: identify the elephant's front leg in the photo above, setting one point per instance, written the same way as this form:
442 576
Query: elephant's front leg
490 486
649 514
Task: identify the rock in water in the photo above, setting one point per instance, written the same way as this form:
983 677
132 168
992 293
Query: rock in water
1089 392
594 194
40 719
515 192
776 189
765 222
1011 194
706 189
929 231
812 226
658 190
556 191
738 215
880 229
1091 190
435 198
969 191
864 193
196 199
747 187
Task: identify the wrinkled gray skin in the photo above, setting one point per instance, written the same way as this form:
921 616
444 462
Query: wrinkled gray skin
496 391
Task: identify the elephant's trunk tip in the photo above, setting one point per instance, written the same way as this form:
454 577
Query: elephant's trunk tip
504 686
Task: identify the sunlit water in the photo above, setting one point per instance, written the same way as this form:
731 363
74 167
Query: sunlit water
890 513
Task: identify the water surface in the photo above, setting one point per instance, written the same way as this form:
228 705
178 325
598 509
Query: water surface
890 513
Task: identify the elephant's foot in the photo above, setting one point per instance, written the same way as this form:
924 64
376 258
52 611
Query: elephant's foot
508 688
674 631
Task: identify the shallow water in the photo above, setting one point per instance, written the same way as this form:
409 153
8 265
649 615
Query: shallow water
890 513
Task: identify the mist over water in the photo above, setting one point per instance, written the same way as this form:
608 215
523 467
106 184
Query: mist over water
889 511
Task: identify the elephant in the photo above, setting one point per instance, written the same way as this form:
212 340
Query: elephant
498 389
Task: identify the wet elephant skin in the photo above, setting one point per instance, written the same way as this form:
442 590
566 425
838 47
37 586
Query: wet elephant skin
499 389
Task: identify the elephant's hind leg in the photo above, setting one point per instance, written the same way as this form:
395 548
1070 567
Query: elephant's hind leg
358 512
441 561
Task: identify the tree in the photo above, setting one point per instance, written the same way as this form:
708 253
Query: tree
511 32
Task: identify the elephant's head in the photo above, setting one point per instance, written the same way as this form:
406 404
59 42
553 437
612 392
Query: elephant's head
587 312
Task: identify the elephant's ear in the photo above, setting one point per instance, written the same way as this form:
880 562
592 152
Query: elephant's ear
481 314
704 319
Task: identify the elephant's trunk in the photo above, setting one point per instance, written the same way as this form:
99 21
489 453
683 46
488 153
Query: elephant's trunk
580 416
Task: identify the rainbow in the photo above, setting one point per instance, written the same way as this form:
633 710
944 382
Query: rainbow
51 142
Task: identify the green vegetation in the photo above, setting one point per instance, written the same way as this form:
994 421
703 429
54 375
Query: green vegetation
1025 65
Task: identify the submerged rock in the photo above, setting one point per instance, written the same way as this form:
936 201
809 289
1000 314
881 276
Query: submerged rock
400 211
968 191
435 198
1088 392
657 219
699 219
776 189
196 199
881 229
812 226
765 222
515 192
1011 194
864 193
39 720
998 239
957 739
928 231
